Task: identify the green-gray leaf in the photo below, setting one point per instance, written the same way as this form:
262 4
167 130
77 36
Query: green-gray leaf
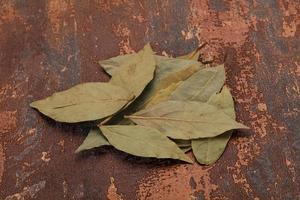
84 102
194 55
168 71
137 73
186 149
184 145
186 119
93 139
142 141
209 150
201 85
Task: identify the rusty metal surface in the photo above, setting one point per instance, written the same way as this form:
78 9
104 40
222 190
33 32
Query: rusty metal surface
50 45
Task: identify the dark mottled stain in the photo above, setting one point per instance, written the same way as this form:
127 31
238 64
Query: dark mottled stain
218 5
167 36
193 183
199 196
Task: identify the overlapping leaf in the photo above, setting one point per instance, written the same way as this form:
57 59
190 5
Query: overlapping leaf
137 73
94 139
177 98
194 55
84 102
186 119
201 85
142 141
168 71
209 150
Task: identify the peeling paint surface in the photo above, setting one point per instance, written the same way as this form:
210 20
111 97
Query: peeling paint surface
2 159
112 192
27 192
51 45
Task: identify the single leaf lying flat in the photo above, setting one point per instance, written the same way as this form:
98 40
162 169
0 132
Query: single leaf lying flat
209 150
142 141
201 85
186 119
137 74
93 139
84 102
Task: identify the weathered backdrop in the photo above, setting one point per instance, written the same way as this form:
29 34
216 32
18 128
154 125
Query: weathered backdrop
50 45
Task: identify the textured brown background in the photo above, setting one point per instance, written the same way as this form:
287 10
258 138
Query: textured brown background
50 45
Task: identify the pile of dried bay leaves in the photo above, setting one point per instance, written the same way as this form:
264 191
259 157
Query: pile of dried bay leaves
153 106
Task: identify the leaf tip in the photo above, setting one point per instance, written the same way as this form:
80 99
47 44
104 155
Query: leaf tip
242 126
33 104
188 160
77 150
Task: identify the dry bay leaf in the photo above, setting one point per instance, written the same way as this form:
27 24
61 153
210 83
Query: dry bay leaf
209 150
194 55
168 71
84 102
201 85
142 141
162 95
182 143
186 119
94 139
186 149
137 74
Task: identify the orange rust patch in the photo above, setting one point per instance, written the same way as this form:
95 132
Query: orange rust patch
2 159
261 123
28 133
290 165
221 27
108 5
57 16
297 71
8 121
8 13
174 183
262 107
112 191
289 29
61 143
45 157
28 192
123 31
291 21
139 18
56 9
